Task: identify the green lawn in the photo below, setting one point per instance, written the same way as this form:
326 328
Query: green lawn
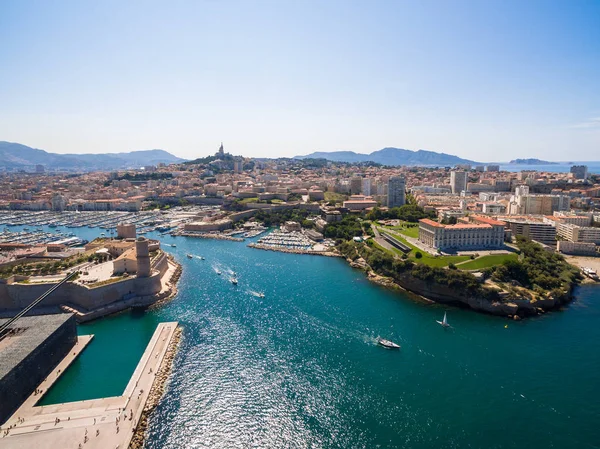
337 197
249 200
427 259
487 261
406 228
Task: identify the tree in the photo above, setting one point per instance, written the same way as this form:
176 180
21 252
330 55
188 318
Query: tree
418 255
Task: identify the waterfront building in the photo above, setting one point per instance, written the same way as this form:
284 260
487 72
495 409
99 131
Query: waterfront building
29 351
476 233
458 181
493 168
396 192
579 171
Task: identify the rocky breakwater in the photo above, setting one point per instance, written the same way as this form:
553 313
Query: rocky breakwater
293 250
208 235
157 391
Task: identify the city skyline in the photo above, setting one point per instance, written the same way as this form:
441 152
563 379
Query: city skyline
472 79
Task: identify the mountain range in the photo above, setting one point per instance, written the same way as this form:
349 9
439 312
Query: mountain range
16 156
391 156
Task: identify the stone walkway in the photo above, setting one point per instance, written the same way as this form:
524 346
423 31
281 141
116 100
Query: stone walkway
106 423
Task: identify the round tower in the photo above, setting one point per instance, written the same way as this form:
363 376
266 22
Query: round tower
142 257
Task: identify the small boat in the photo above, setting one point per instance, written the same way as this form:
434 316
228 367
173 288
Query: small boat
201 258
261 295
189 256
387 343
218 272
444 322
234 281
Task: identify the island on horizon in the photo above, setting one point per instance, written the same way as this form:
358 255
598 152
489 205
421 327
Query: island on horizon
532 161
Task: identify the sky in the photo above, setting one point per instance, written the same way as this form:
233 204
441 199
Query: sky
485 80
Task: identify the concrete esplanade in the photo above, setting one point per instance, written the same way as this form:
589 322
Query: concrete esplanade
97 423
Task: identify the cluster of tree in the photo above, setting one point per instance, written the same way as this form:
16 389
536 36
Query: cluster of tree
349 227
166 203
276 218
385 264
537 269
408 212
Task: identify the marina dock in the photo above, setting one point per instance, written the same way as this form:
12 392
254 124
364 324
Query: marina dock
97 423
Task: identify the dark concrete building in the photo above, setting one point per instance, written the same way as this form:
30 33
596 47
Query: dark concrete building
29 351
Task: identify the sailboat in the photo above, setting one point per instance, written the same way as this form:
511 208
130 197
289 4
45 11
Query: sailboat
444 322
387 343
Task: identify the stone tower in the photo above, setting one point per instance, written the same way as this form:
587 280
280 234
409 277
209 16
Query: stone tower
142 257
126 231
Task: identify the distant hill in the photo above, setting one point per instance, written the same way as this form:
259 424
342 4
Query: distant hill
17 156
392 156
531 162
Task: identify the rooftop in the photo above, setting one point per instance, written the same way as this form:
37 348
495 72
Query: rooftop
27 334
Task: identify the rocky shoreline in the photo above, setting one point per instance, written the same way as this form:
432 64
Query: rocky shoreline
294 250
157 391
515 309
210 236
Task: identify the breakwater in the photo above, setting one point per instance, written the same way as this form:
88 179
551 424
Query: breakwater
157 391
294 250
210 236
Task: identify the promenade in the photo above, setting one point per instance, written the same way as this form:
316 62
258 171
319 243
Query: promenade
106 423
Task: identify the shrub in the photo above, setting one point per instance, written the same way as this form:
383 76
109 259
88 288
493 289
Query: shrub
418 255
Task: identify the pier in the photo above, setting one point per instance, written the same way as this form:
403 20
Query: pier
97 423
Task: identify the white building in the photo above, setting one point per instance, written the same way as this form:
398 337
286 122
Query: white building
480 233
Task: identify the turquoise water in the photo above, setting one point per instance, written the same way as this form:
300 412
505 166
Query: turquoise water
300 367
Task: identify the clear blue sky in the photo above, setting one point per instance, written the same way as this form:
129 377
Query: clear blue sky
486 80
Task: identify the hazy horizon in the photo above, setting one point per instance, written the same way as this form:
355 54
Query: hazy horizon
475 79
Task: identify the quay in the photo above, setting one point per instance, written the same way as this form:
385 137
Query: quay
97 423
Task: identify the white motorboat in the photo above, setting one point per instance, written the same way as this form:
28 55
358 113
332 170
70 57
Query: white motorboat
234 281
189 256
